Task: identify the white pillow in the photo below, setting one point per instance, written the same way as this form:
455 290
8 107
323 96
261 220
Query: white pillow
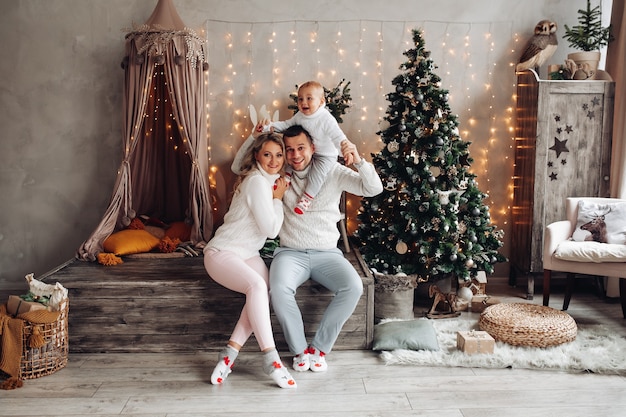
590 252
605 223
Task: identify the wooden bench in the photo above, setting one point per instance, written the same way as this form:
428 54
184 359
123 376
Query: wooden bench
171 305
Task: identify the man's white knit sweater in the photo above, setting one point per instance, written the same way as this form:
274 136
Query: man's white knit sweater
317 228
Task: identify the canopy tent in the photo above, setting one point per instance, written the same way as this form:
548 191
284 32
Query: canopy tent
164 171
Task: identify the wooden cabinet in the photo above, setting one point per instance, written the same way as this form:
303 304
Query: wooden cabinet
562 149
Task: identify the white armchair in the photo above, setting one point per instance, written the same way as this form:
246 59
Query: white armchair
609 263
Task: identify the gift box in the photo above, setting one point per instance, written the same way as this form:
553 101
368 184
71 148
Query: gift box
17 306
481 302
475 341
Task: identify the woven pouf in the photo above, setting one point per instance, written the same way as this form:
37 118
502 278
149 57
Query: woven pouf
522 324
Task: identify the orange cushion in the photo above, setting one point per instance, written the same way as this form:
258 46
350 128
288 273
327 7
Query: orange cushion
180 230
129 241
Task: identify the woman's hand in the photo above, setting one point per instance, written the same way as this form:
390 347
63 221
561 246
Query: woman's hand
280 186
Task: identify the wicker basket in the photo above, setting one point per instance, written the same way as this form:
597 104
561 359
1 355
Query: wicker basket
522 324
52 356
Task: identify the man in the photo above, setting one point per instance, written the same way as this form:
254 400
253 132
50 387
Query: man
308 249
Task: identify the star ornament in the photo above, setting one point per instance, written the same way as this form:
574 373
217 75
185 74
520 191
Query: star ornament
559 146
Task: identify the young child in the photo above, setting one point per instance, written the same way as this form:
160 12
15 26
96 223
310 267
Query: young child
327 138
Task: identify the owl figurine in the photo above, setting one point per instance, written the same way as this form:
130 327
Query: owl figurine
540 47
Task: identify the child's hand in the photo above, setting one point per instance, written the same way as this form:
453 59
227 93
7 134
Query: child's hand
280 186
261 127
350 153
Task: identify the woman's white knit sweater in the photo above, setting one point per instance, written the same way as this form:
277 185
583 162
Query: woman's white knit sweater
253 216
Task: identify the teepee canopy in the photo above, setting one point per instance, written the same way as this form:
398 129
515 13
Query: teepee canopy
164 171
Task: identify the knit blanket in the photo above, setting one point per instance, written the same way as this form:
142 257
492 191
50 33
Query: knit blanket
12 345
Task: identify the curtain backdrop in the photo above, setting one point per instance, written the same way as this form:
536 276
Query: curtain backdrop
616 67
181 53
186 85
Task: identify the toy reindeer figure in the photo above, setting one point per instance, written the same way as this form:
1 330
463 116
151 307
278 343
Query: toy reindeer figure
448 301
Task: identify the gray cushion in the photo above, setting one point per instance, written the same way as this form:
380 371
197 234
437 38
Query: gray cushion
411 335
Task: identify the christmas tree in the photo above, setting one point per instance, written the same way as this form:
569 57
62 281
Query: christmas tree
430 220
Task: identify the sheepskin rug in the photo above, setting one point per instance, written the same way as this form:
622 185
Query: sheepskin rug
597 349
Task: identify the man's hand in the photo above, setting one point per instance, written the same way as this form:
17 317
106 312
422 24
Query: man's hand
350 153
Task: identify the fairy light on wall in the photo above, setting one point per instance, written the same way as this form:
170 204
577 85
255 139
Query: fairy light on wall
275 66
449 54
241 114
510 119
359 70
339 49
207 107
380 108
294 49
229 79
492 128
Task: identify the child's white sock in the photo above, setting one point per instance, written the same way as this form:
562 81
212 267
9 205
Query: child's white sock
225 362
304 204
273 366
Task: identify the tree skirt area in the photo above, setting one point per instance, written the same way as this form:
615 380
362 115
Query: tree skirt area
597 349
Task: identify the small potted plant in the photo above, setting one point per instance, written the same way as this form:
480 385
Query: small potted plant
588 36
338 100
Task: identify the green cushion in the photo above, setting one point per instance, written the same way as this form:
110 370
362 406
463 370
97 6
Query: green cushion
410 335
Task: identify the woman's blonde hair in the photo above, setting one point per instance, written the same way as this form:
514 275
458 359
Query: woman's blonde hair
249 163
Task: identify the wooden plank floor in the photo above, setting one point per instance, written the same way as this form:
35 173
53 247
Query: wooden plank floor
357 384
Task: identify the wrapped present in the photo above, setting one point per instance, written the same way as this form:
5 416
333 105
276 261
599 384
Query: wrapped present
475 341
481 302
16 306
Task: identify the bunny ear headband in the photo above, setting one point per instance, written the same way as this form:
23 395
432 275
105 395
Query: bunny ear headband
263 113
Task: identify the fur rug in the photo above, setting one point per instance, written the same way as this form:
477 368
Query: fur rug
596 349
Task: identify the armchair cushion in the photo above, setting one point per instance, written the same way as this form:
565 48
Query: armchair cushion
604 223
590 252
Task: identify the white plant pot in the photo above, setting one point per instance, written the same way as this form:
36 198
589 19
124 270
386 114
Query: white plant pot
586 64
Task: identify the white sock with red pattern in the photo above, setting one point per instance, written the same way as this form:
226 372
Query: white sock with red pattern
225 362
273 366
318 360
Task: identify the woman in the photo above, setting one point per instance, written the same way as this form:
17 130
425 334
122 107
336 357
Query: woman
232 257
